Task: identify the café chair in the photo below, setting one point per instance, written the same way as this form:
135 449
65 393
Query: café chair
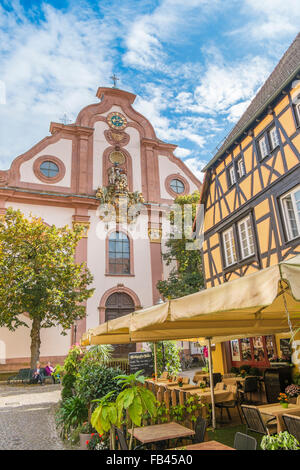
244 442
250 386
230 404
292 424
255 421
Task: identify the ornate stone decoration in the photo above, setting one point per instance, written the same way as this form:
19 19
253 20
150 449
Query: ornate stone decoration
155 235
118 195
116 138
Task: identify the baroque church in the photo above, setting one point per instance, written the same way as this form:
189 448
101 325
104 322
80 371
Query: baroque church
65 179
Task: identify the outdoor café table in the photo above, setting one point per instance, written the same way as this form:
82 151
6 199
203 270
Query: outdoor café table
276 410
209 445
186 387
161 432
219 395
199 377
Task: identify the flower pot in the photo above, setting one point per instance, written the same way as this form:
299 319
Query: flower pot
284 405
83 438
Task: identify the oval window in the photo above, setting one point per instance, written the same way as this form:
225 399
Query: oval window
49 169
177 186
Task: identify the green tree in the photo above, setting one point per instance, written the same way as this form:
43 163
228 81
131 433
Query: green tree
39 276
186 276
167 357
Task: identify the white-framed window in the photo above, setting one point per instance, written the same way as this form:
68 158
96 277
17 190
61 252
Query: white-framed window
274 138
263 148
232 177
246 237
291 210
297 112
240 168
229 247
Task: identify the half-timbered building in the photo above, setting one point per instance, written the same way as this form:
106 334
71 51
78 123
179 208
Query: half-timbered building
251 190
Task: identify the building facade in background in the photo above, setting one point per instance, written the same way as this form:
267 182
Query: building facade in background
110 148
251 194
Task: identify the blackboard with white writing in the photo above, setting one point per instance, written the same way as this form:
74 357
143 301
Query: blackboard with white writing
141 361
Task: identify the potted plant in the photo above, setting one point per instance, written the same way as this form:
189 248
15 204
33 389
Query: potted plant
98 442
292 391
85 434
281 441
180 381
283 400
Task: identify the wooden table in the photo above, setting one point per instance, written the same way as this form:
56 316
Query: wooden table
209 445
220 395
161 432
276 410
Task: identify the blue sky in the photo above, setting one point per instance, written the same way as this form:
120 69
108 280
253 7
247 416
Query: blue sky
193 64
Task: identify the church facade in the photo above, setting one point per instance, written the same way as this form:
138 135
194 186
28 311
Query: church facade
67 177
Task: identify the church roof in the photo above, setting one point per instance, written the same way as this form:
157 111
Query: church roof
286 69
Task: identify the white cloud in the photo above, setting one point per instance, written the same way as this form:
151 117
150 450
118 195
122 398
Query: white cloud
167 23
195 165
225 85
271 19
182 152
48 68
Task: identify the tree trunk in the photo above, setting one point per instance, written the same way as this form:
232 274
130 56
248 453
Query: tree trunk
35 342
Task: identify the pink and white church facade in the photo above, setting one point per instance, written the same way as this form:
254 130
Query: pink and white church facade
58 180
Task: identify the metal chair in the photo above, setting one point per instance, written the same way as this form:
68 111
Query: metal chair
244 442
217 377
250 386
123 442
230 404
256 423
200 429
292 424
122 439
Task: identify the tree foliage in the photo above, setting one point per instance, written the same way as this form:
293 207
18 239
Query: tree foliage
186 276
167 357
39 276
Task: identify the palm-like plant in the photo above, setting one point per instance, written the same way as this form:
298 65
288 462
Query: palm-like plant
134 399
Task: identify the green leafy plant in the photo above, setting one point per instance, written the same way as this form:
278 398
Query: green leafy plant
187 276
94 381
168 357
281 441
41 278
132 403
71 414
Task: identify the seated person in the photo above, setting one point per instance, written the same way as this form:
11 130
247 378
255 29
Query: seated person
37 374
49 371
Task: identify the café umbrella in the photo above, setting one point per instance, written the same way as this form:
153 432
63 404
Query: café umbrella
265 302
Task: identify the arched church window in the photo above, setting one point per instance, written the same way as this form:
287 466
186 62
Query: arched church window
49 169
119 253
177 186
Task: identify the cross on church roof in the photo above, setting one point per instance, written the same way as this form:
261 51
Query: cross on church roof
114 78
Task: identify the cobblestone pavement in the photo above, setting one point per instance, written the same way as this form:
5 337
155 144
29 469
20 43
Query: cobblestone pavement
27 418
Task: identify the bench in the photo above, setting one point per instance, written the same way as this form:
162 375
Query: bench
23 376
26 376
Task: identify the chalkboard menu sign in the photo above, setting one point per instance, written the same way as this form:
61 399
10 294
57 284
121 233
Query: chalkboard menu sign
285 348
141 361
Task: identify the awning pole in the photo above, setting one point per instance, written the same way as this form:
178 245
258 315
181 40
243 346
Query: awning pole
213 410
155 363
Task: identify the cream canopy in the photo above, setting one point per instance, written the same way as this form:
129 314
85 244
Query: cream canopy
265 302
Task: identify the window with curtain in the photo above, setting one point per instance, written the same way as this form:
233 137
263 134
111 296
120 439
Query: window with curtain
119 253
